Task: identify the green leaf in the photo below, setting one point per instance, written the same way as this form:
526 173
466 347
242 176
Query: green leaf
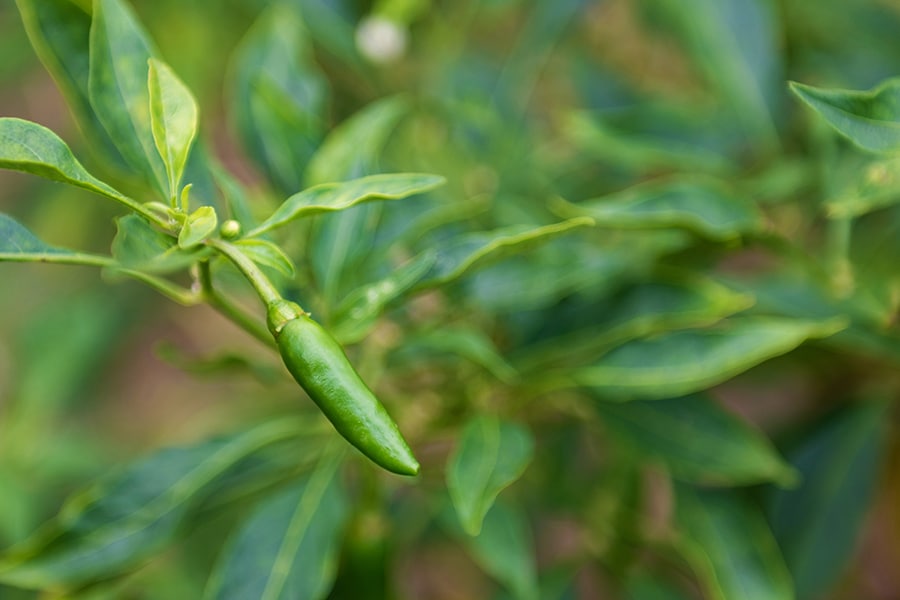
356 314
173 120
120 51
331 197
491 454
59 31
872 187
15 240
730 547
698 440
704 207
119 523
140 247
267 254
279 99
199 225
470 252
818 523
505 550
32 148
870 119
688 361
288 548
469 343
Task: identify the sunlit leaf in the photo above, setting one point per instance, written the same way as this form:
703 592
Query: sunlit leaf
491 454
173 119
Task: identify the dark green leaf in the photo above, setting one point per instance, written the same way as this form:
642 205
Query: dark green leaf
288 548
466 342
331 197
31 148
818 523
127 518
491 454
689 361
707 208
697 440
120 51
505 550
869 119
730 547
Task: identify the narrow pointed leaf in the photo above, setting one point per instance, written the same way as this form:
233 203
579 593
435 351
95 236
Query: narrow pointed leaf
119 523
120 51
288 548
267 254
491 454
870 119
476 250
730 547
331 197
32 148
698 440
818 523
703 207
688 361
173 119
504 549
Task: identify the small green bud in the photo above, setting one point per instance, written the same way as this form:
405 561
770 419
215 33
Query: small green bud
230 229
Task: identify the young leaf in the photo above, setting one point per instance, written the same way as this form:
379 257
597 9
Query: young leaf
330 197
173 120
201 224
730 547
117 83
476 250
140 247
818 523
705 207
32 148
698 440
267 254
288 548
505 550
279 99
127 518
688 361
490 455
870 119
59 31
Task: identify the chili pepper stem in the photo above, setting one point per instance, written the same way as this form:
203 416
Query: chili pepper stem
264 288
229 309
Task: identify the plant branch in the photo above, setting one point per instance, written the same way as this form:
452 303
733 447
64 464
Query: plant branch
267 292
229 309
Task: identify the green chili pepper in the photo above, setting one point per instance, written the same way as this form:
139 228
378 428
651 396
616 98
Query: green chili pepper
319 365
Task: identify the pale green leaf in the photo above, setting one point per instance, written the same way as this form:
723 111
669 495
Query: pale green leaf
173 119
117 84
32 148
870 119
289 546
688 361
199 225
267 254
730 547
331 197
472 251
698 440
818 523
119 523
491 454
705 207
505 550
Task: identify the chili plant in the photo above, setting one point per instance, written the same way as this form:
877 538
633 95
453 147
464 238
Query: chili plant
548 303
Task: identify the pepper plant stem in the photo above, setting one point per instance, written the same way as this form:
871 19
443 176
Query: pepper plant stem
267 292
231 310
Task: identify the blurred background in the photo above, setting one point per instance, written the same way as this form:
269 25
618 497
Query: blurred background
568 98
